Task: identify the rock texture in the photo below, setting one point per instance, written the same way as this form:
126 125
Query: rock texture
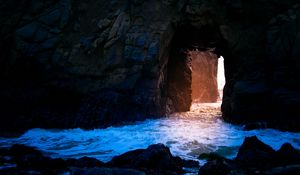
154 160
69 63
255 157
204 76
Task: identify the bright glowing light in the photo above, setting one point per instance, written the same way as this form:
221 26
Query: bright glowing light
221 76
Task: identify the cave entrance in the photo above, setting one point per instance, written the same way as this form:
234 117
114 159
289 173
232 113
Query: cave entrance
195 68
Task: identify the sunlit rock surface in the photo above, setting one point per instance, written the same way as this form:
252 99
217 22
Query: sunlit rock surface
97 63
204 77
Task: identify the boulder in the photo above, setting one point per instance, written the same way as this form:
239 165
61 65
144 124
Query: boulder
214 167
156 156
255 157
287 154
254 152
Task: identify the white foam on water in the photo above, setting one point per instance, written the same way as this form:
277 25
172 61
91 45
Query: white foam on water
187 135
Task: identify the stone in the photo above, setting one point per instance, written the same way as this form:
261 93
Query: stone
102 24
292 169
30 158
84 162
105 171
155 156
21 159
51 18
287 154
253 152
215 167
255 157
28 31
120 26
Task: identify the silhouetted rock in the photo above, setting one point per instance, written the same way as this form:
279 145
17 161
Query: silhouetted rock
255 157
29 158
105 171
285 170
254 152
156 159
287 154
215 167
85 162
187 163
155 156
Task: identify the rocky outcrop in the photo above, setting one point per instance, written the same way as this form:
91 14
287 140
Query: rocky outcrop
156 159
255 157
98 63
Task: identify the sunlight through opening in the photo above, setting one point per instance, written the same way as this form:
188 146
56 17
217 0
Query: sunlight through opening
208 80
221 77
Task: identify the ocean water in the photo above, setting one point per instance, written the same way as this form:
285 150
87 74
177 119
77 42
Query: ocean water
189 134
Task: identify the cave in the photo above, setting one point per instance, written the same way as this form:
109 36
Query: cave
193 67
131 60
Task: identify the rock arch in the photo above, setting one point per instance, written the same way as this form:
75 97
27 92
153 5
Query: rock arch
187 37
110 59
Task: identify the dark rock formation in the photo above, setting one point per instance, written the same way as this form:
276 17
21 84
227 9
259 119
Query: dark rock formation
84 162
156 159
104 171
94 63
255 157
253 152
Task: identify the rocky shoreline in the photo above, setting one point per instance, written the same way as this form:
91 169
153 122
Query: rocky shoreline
254 157
156 159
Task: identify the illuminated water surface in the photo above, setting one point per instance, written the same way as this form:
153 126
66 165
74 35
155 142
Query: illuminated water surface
187 134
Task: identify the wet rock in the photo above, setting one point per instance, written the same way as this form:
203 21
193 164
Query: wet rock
156 159
287 154
285 170
155 156
23 159
253 152
214 167
255 157
84 162
29 158
188 163
105 171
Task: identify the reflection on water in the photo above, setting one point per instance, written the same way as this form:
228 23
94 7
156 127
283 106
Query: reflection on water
187 134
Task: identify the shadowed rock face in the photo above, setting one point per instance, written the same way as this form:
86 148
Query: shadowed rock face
253 157
156 159
96 63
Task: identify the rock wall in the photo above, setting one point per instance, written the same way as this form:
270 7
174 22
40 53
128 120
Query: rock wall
264 64
70 63
204 77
